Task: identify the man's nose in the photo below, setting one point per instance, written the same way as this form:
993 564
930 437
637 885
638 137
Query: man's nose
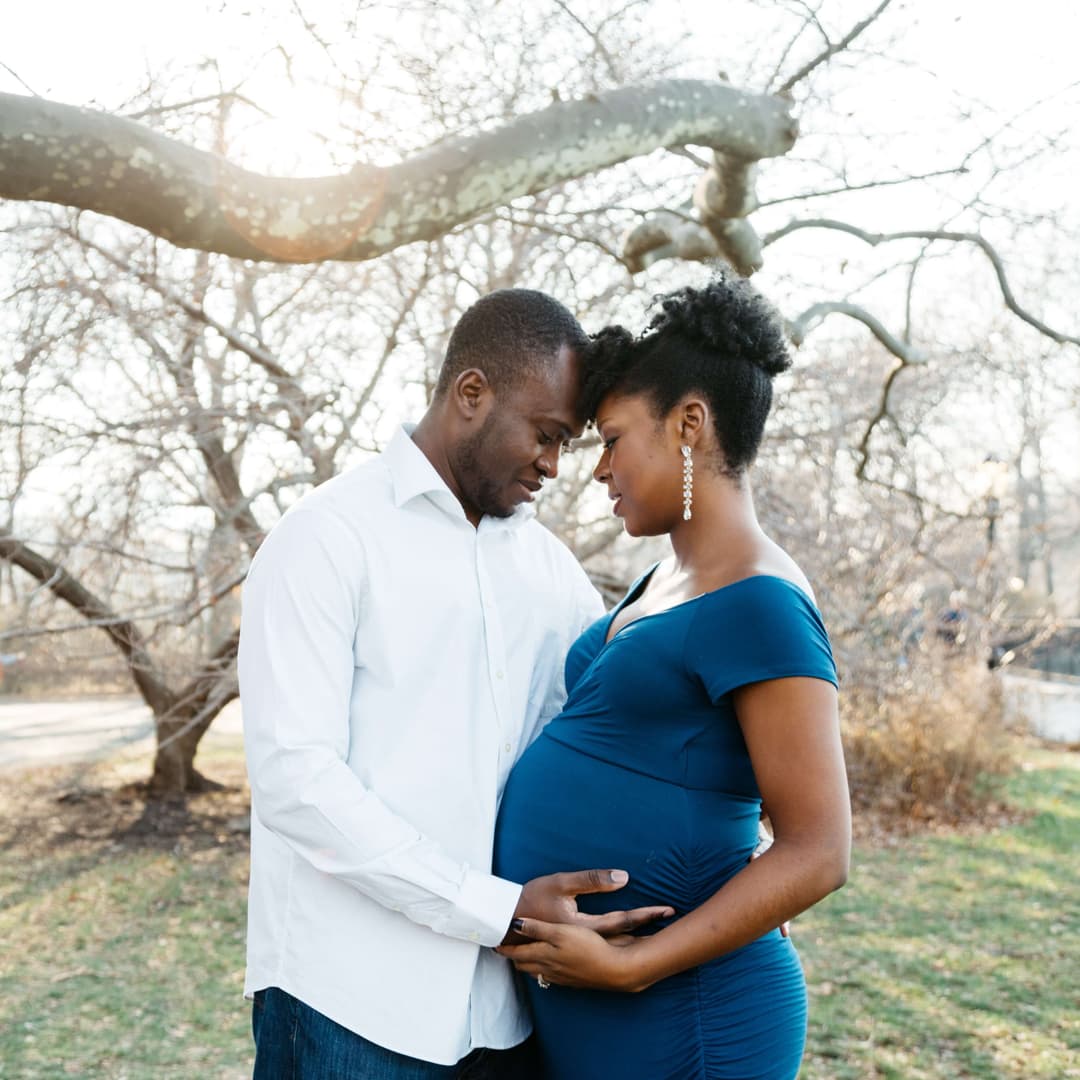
548 462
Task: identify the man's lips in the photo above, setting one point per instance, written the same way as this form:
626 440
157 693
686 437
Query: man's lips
530 487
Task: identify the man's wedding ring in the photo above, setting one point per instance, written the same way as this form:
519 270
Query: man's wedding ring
542 982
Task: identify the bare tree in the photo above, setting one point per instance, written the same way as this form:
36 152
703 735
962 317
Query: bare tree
193 395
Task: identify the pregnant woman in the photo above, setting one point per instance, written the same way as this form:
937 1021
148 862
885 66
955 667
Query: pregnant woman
708 690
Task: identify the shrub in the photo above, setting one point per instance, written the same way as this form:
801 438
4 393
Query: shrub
927 741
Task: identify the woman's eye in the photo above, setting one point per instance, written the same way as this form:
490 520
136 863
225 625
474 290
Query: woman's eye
609 443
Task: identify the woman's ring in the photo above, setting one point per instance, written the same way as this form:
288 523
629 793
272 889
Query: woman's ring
542 982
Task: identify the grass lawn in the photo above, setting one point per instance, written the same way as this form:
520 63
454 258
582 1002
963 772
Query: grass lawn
956 955
952 955
122 931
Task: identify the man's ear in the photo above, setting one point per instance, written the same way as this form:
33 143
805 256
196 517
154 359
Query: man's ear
472 394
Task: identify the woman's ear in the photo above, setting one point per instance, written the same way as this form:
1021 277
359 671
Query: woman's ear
692 416
472 394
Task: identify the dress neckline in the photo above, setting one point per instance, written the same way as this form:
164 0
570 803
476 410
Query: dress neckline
643 582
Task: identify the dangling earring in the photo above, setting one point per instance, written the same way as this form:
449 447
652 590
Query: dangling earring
687 482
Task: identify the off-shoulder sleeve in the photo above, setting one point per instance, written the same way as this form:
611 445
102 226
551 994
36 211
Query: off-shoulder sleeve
754 630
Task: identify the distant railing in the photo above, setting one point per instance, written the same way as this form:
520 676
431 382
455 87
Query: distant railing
1039 675
1048 702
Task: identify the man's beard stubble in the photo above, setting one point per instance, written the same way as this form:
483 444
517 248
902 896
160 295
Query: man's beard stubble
479 490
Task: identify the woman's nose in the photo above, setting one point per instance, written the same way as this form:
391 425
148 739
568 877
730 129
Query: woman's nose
601 472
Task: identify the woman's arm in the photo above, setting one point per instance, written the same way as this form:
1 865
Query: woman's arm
792 732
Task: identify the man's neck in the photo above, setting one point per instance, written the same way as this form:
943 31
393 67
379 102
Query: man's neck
429 435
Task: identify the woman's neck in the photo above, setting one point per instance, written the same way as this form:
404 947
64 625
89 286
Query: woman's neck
723 531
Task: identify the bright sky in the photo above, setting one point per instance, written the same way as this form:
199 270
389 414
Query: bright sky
1004 55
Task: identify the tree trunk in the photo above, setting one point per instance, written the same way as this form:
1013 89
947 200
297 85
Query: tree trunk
174 758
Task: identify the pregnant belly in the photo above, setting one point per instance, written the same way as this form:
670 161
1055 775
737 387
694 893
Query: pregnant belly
565 810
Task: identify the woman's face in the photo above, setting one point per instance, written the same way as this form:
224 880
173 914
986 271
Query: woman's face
641 465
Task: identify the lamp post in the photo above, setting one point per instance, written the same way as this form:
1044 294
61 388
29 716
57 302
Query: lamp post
994 479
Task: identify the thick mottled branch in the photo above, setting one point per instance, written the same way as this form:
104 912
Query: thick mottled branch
665 235
670 235
123 633
724 198
90 160
932 235
726 189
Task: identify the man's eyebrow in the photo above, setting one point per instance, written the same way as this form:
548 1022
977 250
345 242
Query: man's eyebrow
564 431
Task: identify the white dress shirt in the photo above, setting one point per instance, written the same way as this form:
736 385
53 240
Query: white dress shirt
394 663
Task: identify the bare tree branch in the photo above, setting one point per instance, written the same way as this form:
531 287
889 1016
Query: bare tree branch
122 631
833 49
594 35
199 702
799 327
881 413
873 239
180 106
105 621
958 170
810 19
86 159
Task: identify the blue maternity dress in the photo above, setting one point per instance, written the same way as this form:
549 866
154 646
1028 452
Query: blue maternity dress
646 769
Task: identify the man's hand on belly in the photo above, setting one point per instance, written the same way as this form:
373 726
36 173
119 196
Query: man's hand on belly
553 899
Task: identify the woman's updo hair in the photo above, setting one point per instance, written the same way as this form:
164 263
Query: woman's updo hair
724 342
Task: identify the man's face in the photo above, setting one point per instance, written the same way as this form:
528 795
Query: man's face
517 445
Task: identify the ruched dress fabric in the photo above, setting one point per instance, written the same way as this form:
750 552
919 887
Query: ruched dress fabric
646 770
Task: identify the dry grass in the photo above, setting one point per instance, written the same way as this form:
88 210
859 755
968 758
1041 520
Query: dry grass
929 742
125 921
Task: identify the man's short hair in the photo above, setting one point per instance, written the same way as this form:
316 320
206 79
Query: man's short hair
509 334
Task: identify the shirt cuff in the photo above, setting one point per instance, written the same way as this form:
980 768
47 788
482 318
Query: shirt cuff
485 905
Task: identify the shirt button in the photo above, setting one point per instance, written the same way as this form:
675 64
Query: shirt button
498 674
507 748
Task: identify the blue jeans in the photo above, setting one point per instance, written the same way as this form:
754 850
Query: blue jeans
294 1042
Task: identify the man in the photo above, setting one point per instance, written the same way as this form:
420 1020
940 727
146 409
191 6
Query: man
404 630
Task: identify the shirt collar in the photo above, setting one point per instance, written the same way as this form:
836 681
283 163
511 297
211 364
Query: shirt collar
413 475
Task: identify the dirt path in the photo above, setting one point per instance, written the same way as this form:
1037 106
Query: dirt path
52 732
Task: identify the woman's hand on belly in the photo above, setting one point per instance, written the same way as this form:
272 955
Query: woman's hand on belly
575 956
